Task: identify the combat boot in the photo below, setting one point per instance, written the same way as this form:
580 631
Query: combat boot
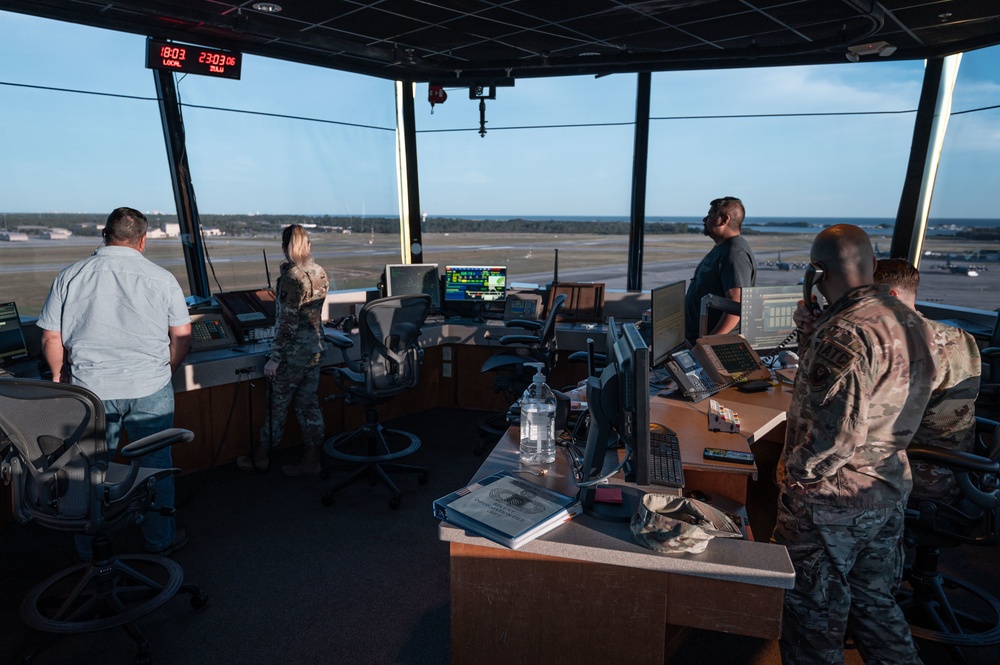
261 461
308 466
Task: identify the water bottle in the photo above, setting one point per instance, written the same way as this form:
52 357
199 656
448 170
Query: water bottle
538 421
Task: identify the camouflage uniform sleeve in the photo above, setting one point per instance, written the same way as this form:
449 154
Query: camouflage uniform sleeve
950 419
287 315
838 397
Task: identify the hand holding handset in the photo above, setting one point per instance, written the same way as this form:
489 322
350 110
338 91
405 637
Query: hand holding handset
814 275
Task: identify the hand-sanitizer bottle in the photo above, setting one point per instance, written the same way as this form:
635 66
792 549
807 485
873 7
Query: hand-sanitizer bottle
538 421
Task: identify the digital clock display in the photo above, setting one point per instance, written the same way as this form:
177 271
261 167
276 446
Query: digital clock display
192 59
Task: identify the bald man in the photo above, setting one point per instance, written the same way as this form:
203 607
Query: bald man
862 389
952 410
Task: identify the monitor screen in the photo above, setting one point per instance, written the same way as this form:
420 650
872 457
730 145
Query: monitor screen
475 283
667 304
618 402
766 316
12 344
405 279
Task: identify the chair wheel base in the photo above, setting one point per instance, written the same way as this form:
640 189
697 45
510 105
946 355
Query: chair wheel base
947 611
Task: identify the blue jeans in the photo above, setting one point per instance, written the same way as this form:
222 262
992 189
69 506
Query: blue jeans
141 417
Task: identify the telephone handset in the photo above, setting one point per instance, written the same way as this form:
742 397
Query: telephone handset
814 275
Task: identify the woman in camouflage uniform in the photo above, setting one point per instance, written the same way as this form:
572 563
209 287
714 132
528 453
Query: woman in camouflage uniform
296 352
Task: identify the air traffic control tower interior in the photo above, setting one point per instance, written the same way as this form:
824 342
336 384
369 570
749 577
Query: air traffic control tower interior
247 529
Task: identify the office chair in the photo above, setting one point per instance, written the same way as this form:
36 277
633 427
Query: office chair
940 608
537 344
56 459
389 364
988 402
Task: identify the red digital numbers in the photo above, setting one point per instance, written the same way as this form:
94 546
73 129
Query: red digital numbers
173 53
207 61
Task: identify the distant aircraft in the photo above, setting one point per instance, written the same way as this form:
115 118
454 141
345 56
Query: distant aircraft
968 271
782 265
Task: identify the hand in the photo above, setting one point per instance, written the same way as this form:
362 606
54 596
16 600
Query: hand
271 369
805 317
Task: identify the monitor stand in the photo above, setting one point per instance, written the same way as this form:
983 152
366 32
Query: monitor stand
611 511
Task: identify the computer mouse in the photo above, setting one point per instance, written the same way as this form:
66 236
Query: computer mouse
698 495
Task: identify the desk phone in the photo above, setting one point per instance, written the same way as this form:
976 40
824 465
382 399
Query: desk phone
715 363
210 331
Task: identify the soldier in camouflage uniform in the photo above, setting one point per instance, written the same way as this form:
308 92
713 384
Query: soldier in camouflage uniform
296 353
950 420
862 389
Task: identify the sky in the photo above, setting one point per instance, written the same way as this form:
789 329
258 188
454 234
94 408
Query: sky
67 152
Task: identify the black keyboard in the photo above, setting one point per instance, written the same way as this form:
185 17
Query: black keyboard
665 459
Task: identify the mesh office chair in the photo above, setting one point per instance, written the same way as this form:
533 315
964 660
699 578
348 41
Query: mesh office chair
56 459
537 344
988 402
940 608
389 364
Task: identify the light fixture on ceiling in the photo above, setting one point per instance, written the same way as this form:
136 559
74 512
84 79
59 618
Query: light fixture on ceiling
267 7
883 49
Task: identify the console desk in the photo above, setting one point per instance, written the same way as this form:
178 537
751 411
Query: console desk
588 593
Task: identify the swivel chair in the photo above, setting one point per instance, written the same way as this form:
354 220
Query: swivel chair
56 459
538 345
389 364
940 608
988 402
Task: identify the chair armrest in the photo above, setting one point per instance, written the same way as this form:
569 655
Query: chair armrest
963 465
953 459
338 339
153 442
990 352
524 324
527 340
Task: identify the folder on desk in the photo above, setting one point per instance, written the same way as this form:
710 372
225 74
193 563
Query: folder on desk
507 509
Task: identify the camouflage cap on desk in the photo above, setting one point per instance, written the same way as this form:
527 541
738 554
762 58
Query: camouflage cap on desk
668 524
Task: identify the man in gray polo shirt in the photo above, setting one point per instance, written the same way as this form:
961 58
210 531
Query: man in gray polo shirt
117 324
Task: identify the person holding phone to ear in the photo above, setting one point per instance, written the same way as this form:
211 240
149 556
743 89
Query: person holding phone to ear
843 476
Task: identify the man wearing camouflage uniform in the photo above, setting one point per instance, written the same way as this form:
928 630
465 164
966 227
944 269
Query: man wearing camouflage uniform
863 385
950 420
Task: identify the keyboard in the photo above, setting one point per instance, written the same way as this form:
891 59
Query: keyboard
665 459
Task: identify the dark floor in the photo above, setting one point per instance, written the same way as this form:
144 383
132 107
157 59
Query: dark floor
292 581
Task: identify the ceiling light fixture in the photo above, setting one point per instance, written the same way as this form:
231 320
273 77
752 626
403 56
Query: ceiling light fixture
267 7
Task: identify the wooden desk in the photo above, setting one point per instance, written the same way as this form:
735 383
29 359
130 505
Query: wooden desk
588 593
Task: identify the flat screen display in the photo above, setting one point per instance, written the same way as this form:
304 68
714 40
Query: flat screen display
766 316
407 278
475 283
667 321
12 344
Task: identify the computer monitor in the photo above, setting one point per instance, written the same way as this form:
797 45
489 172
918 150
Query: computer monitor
667 304
475 283
766 316
12 344
403 279
618 402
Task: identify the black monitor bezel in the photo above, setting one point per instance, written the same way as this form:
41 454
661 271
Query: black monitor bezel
750 298
448 269
658 353
435 295
617 420
14 353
